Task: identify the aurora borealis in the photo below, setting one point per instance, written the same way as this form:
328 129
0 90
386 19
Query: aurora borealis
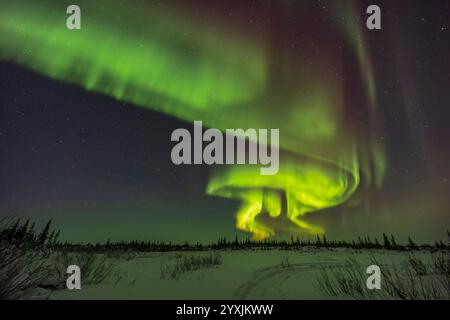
307 68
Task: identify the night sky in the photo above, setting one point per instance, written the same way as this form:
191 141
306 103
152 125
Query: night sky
97 161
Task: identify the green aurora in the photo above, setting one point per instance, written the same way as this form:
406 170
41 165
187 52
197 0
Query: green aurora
168 61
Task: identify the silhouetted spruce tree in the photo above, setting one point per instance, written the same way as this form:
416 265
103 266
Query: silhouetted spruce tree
30 237
386 243
236 242
43 236
377 244
360 243
393 243
318 242
22 232
324 241
411 244
440 245
12 232
51 237
368 242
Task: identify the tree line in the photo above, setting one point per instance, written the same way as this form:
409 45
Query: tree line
24 233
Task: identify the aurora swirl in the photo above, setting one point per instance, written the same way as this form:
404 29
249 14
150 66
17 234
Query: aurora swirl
169 62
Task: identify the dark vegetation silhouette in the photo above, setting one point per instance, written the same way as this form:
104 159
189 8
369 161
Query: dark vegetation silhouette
23 256
31 259
415 278
186 263
24 235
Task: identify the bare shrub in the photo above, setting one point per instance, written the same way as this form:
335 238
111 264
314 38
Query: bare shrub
95 268
285 261
185 264
419 267
21 271
410 280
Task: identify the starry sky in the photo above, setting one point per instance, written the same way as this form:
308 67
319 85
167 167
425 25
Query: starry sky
85 122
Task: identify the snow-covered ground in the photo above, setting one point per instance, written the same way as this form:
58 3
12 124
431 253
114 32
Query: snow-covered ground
270 274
